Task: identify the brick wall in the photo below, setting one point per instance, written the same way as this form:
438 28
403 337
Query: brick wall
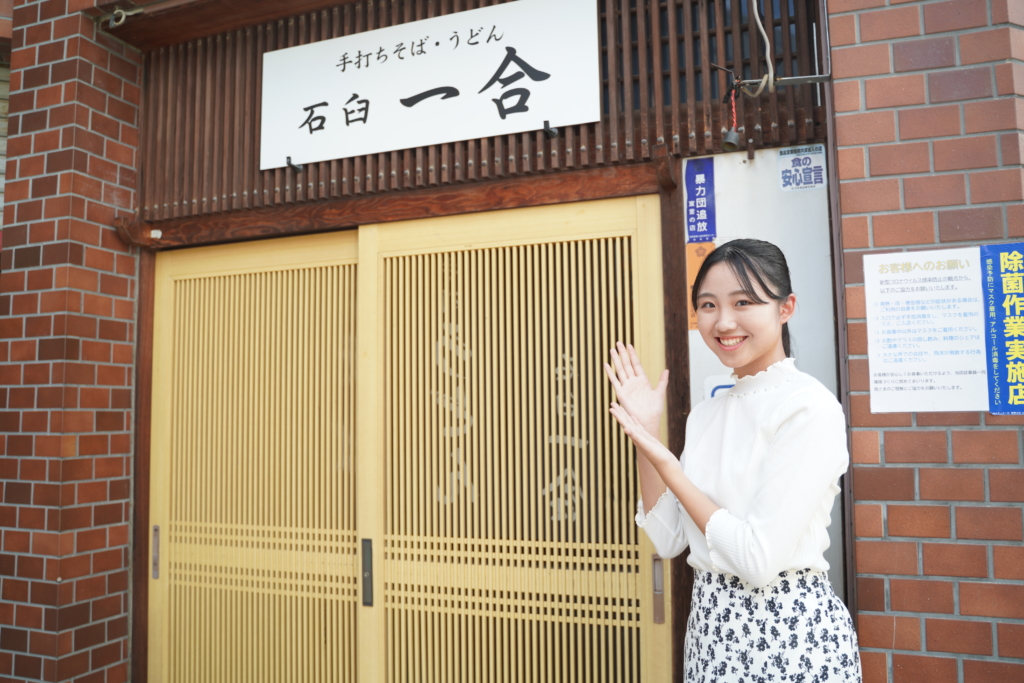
928 126
67 304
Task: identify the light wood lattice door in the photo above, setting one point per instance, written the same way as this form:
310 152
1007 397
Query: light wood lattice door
509 549
443 400
253 463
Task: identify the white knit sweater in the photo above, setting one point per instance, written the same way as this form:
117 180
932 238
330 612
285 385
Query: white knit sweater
769 452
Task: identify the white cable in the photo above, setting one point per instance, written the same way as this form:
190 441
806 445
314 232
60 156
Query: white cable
769 78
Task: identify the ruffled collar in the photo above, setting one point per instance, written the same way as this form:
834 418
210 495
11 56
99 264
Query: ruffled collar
774 375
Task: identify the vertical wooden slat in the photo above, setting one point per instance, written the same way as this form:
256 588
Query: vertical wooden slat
737 66
755 118
691 80
626 55
789 124
707 104
658 73
804 66
722 106
643 44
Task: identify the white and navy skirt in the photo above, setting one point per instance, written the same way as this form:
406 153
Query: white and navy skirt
794 629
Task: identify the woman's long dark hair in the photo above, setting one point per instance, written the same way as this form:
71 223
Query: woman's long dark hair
752 261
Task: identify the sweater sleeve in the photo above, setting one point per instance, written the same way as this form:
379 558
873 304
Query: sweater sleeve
663 524
806 456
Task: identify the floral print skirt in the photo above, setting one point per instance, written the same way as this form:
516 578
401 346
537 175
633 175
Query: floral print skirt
794 629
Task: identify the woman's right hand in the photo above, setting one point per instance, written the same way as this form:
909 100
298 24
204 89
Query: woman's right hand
632 388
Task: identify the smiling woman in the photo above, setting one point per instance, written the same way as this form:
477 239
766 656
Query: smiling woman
732 316
752 493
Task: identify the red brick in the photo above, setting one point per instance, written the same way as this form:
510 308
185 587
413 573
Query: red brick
920 668
934 190
867 520
951 484
887 24
925 521
929 122
961 153
1006 485
953 15
915 446
870 594
960 84
1008 561
988 46
954 559
857 338
868 128
997 186
999 114
865 447
1009 79
867 60
986 446
886 557
1011 640
992 600
1012 146
842 30
903 228
970 224
855 232
895 91
851 163
990 523
889 632
993 672
965 637
883 483
847 95
870 195
899 159
913 595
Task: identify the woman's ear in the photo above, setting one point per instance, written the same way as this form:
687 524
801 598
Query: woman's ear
787 308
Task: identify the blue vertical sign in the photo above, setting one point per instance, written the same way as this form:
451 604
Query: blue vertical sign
700 200
1002 272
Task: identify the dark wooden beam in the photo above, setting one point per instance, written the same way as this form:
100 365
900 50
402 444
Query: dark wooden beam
170 22
309 217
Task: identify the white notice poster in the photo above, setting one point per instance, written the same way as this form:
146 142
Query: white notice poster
926 344
490 71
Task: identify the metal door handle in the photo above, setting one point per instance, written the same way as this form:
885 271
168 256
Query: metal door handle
156 551
367 572
658 576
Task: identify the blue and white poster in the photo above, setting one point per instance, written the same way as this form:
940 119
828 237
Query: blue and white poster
946 329
700 200
1003 279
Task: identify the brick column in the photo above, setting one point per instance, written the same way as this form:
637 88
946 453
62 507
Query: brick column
929 128
67 301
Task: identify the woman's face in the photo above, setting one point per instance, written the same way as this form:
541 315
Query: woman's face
745 335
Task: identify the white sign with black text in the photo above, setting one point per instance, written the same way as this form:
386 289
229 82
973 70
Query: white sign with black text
490 71
926 331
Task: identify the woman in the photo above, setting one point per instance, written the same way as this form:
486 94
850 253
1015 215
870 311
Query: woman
752 492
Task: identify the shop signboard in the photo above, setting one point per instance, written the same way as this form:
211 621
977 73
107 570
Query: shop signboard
498 70
946 329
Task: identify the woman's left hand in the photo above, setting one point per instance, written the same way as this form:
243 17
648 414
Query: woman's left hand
646 443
